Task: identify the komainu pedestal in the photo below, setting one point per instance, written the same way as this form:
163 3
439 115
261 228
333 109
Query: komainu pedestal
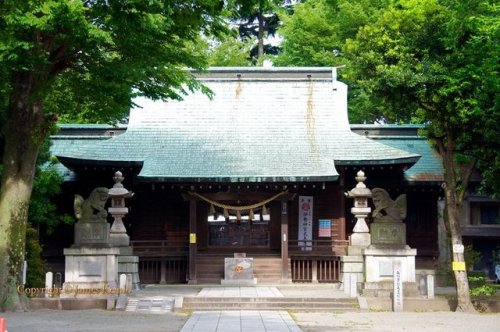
388 237
91 265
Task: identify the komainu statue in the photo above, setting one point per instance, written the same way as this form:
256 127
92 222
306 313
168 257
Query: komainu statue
92 208
387 210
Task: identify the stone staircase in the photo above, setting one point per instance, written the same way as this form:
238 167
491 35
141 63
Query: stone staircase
196 303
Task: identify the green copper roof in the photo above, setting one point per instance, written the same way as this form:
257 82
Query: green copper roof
428 168
261 125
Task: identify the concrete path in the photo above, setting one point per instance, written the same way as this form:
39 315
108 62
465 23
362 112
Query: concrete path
240 321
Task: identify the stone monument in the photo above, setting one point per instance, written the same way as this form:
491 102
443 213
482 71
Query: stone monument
353 263
91 263
238 271
388 247
127 263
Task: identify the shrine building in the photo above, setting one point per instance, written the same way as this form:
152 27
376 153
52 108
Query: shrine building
260 166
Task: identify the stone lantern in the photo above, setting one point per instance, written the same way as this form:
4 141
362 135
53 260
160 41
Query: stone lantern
353 263
118 210
361 210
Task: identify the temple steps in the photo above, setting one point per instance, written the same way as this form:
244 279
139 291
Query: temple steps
271 303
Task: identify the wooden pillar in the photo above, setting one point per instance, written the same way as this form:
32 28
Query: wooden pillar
342 202
192 242
163 272
314 268
284 241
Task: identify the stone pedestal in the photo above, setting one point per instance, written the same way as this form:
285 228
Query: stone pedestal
353 263
91 273
238 271
129 265
379 260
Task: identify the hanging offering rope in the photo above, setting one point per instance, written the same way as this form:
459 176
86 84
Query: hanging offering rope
236 207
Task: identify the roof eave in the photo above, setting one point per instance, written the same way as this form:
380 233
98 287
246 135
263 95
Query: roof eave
404 161
239 179
70 162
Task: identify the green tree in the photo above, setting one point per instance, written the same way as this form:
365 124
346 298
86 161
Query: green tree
229 50
436 62
257 19
100 50
314 34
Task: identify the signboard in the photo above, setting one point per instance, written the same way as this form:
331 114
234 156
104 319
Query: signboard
325 228
458 248
458 266
305 222
192 238
398 286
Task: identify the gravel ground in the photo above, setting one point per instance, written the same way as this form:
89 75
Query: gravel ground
92 320
390 321
110 321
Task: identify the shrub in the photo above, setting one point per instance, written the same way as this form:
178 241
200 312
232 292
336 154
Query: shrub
35 276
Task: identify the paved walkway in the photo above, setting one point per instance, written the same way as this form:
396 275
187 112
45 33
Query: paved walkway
240 320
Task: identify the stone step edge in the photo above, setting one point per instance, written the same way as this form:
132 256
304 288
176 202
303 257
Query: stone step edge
293 309
192 299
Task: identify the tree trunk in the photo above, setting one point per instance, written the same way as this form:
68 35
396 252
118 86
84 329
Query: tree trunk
23 137
260 37
453 205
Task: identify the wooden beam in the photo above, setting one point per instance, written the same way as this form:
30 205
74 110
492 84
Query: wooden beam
243 196
342 201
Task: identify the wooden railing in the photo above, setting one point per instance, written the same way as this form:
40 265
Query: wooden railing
315 269
167 261
162 262
159 247
316 260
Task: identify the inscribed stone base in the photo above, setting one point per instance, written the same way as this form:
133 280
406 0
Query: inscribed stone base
388 233
379 261
90 272
92 234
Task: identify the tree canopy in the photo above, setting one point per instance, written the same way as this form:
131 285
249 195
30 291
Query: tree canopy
314 34
433 62
91 57
436 62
